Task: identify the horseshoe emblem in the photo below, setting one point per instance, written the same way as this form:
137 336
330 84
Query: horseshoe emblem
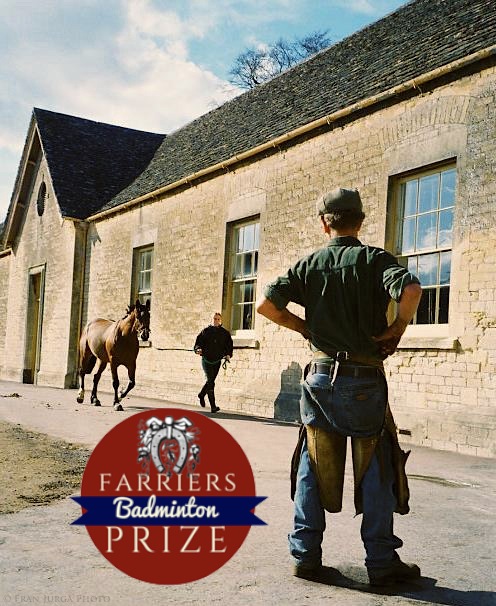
157 432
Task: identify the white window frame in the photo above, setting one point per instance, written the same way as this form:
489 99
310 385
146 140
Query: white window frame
439 248
138 291
237 276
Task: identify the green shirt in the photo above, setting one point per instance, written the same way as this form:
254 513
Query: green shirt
345 289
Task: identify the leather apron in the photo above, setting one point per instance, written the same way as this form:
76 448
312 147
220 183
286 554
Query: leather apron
327 452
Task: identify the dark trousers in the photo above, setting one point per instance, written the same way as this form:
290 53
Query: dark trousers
211 371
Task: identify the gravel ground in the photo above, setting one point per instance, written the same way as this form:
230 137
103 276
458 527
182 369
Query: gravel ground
450 531
36 469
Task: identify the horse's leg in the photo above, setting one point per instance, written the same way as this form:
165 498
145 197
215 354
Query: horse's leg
80 396
88 361
131 371
101 367
115 385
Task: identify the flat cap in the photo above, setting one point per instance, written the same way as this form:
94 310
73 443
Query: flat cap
339 199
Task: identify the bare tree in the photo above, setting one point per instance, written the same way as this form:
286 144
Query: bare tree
257 65
314 42
249 69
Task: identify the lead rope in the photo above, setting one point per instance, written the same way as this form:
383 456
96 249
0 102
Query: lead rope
224 363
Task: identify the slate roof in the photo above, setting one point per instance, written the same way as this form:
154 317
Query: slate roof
90 162
417 38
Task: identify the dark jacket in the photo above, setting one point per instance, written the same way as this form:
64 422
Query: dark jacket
215 343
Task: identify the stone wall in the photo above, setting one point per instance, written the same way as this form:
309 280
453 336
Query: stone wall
445 397
441 381
46 245
4 309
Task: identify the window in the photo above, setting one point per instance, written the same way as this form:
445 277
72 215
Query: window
424 237
40 200
243 266
142 274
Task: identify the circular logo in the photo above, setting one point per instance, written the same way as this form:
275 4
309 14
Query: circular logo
168 496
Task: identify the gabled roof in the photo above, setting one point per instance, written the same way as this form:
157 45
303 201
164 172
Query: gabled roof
419 37
90 162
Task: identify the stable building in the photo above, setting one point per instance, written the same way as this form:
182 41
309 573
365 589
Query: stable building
201 219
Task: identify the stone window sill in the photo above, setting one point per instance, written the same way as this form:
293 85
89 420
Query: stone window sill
418 342
245 343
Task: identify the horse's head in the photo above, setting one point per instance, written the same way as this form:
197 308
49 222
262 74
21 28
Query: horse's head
142 322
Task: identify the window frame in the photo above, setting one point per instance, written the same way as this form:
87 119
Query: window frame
231 280
395 234
136 272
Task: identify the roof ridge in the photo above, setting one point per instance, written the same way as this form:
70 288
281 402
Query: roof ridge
38 110
357 32
304 61
417 38
90 162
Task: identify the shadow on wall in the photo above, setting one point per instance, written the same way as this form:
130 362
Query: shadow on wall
287 403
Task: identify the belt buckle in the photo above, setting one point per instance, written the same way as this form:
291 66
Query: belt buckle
342 356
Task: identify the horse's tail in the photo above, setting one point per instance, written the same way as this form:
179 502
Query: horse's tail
87 362
87 358
90 365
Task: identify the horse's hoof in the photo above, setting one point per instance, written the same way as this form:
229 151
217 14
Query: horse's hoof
79 400
96 402
118 407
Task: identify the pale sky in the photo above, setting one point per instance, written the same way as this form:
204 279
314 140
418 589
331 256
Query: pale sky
148 64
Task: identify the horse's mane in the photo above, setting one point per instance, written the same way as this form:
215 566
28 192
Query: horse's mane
129 310
117 324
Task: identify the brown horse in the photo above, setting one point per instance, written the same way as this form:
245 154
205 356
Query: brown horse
115 343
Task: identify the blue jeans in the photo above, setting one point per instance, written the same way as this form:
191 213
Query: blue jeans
352 407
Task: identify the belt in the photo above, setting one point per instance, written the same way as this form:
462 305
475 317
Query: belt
341 356
345 370
346 356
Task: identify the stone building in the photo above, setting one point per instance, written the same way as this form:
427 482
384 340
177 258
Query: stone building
68 167
199 220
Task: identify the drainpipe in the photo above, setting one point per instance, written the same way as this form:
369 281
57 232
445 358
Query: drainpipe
82 228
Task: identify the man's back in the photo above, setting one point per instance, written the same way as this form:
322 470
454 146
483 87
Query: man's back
345 289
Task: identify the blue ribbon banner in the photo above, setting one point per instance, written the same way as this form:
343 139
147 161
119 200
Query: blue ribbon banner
155 510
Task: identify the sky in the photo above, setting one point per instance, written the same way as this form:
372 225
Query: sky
152 65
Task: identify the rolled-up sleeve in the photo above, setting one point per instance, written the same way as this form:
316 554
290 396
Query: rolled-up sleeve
395 277
286 288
